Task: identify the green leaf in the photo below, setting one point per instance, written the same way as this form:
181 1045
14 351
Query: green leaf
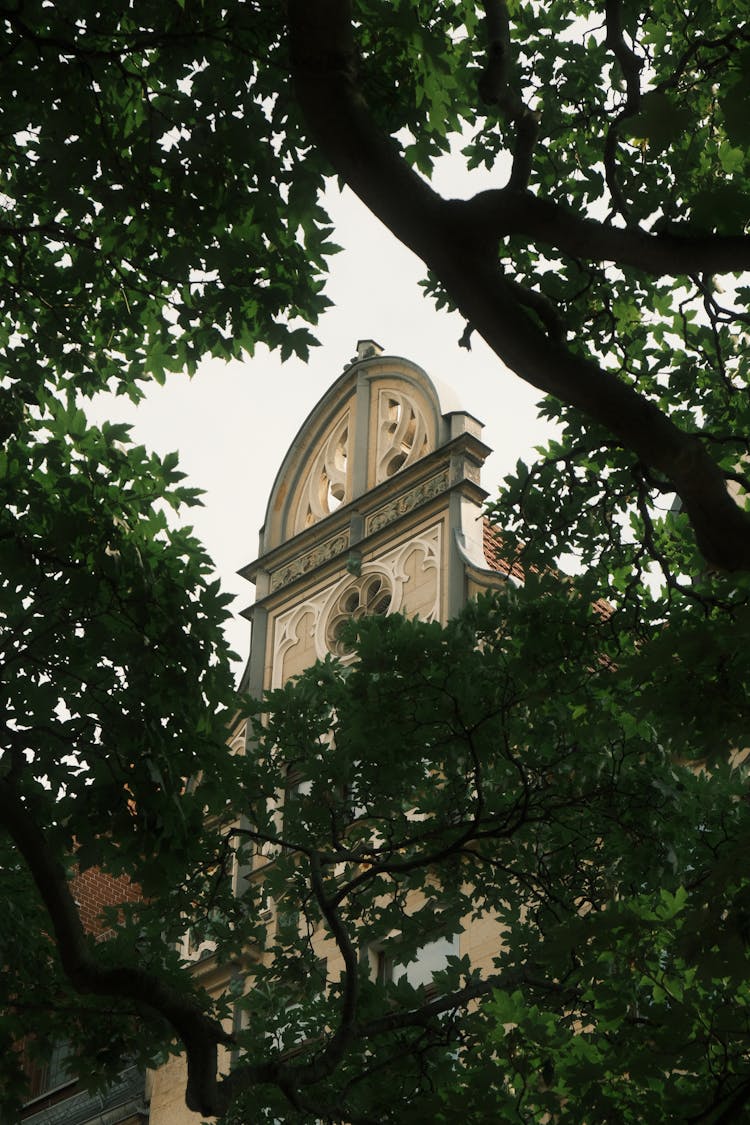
661 121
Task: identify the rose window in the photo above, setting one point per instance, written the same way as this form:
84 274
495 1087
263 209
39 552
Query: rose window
369 595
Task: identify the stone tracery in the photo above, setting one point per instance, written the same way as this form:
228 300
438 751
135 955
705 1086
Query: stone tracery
370 594
402 433
326 484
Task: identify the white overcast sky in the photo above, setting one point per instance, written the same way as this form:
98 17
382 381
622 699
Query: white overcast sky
232 423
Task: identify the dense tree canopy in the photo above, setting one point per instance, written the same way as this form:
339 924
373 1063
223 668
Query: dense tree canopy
162 197
552 795
160 189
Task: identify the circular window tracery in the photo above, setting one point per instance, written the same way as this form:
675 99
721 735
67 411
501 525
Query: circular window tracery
371 594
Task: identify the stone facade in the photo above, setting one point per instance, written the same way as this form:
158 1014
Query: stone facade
376 508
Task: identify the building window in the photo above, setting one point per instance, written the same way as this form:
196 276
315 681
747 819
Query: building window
50 1075
296 785
419 972
369 595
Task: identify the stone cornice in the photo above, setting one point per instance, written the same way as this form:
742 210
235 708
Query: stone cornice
455 464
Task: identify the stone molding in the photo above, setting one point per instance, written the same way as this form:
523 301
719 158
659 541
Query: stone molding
407 502
303 564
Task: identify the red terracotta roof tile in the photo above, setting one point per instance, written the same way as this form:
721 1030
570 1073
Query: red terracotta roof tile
495 553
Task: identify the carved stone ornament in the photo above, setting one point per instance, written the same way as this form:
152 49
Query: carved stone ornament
303 564
325 486
370 594
420 494
402 433
317 619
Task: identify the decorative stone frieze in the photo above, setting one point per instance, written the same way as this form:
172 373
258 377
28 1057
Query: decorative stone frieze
303 564
407 502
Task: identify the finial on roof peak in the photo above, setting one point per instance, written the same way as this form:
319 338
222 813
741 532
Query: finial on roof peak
366 349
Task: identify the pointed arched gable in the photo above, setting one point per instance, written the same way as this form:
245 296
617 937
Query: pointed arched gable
381 416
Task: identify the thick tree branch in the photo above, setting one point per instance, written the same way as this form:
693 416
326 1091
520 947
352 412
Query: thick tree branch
722 529
500 213
323 63
338 1043
630 65
149 992
542 306
323 58
463 257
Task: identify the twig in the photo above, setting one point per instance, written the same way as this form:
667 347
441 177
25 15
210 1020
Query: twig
498 86
630 65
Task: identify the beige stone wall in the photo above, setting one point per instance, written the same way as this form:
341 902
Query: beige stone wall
421 589
296 641
168 1095
390 550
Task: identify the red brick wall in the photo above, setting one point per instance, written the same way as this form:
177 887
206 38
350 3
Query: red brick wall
94 889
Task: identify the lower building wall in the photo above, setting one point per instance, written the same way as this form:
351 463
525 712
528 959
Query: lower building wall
125 1102
481 940
168 1095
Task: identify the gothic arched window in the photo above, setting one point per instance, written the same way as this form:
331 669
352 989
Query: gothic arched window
370 594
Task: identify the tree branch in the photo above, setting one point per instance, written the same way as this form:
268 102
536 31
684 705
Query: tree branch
461 253
292 1078
500 213
151 994
498 86
630 65
337 1045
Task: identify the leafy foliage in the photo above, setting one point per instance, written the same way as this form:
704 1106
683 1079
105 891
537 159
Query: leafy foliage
524 781
561 763
114 675
168 243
